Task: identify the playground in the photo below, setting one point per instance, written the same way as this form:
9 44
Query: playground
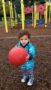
10 75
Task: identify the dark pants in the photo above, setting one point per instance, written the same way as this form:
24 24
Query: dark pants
29 73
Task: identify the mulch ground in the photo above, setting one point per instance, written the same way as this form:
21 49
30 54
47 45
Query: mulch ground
10 75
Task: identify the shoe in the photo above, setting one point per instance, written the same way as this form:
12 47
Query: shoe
30 82
23 79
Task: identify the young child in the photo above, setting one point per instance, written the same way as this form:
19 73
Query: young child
28 67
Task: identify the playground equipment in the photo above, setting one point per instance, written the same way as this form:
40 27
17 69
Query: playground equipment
40 22
36 19
22 14
49 12
5 20
11 13
43 10
17 56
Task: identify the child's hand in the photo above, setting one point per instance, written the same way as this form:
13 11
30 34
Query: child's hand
27 57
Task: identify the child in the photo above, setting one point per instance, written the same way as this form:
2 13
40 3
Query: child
28 67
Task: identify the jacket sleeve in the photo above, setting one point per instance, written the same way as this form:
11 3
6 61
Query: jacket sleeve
32 52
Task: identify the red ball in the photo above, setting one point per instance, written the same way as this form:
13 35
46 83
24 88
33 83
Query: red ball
17 56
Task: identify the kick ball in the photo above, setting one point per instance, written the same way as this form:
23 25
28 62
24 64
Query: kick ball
17 55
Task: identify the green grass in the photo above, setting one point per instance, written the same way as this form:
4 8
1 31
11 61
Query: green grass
1 23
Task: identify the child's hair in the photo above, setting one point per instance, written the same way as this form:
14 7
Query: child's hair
23 32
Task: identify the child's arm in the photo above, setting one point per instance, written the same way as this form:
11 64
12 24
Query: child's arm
32 52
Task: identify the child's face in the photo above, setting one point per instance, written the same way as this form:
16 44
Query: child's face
24 40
